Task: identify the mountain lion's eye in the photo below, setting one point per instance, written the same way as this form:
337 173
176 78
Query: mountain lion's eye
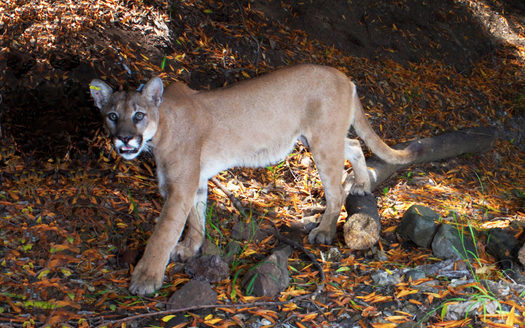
113 117
139 116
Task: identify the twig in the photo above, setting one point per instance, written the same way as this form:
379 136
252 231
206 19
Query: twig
294 244
236 203
299 246
210 306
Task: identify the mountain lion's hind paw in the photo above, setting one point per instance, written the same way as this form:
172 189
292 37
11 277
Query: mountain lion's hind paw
359 189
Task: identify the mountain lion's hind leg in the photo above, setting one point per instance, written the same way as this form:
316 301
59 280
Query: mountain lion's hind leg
195 228
354 154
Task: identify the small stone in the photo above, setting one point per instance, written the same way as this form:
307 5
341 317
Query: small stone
250 231
415 274
209 248
502 244
232 248
383 278
334 255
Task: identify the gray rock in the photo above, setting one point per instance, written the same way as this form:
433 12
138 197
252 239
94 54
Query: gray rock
521 255
410 324
449 243
193 293
247 231
415 274
418 225
502 244
270 276
458 311
207 268
232 248
209 248
383 278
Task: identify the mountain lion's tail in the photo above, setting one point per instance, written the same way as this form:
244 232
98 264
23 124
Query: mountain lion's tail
373 141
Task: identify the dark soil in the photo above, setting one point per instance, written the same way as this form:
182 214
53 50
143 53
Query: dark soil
403 31
47 109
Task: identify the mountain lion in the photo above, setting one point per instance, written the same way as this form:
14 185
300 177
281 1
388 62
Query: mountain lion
196 134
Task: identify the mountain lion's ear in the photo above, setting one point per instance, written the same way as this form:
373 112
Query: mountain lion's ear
153 90
101 92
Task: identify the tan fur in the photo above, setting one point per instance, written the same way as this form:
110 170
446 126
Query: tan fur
194 135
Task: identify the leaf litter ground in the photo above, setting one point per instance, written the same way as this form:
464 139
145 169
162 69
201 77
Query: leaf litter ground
74 217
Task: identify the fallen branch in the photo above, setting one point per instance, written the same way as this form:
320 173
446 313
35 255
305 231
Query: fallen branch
210 306
363 222
235 202
299 246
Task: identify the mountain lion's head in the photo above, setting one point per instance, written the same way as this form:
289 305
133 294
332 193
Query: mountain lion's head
131 117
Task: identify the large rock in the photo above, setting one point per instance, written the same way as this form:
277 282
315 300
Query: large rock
419 225
207 268
193 293
247 231
521 255
450 243
270 276
502 244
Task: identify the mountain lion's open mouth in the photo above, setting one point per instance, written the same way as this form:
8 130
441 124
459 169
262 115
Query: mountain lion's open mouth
128 150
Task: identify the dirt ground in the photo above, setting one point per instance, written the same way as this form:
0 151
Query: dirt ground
75 216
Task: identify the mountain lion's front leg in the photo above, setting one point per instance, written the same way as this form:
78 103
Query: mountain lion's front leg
149 272
195 227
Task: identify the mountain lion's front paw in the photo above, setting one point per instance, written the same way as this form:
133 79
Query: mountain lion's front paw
319 236
183 252
146 278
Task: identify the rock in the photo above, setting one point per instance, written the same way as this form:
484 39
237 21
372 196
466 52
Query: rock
458 311
415 274
502 244
232 248
521 255
270 276
418 225
247 231
449 243
383 278
207 268
410 324
209 248
193 293
334 255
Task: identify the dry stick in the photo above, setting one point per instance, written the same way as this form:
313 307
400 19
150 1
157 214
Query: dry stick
285 240
310 255
202 307
231 196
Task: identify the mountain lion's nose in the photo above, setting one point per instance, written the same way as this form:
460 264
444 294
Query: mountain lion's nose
125 139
